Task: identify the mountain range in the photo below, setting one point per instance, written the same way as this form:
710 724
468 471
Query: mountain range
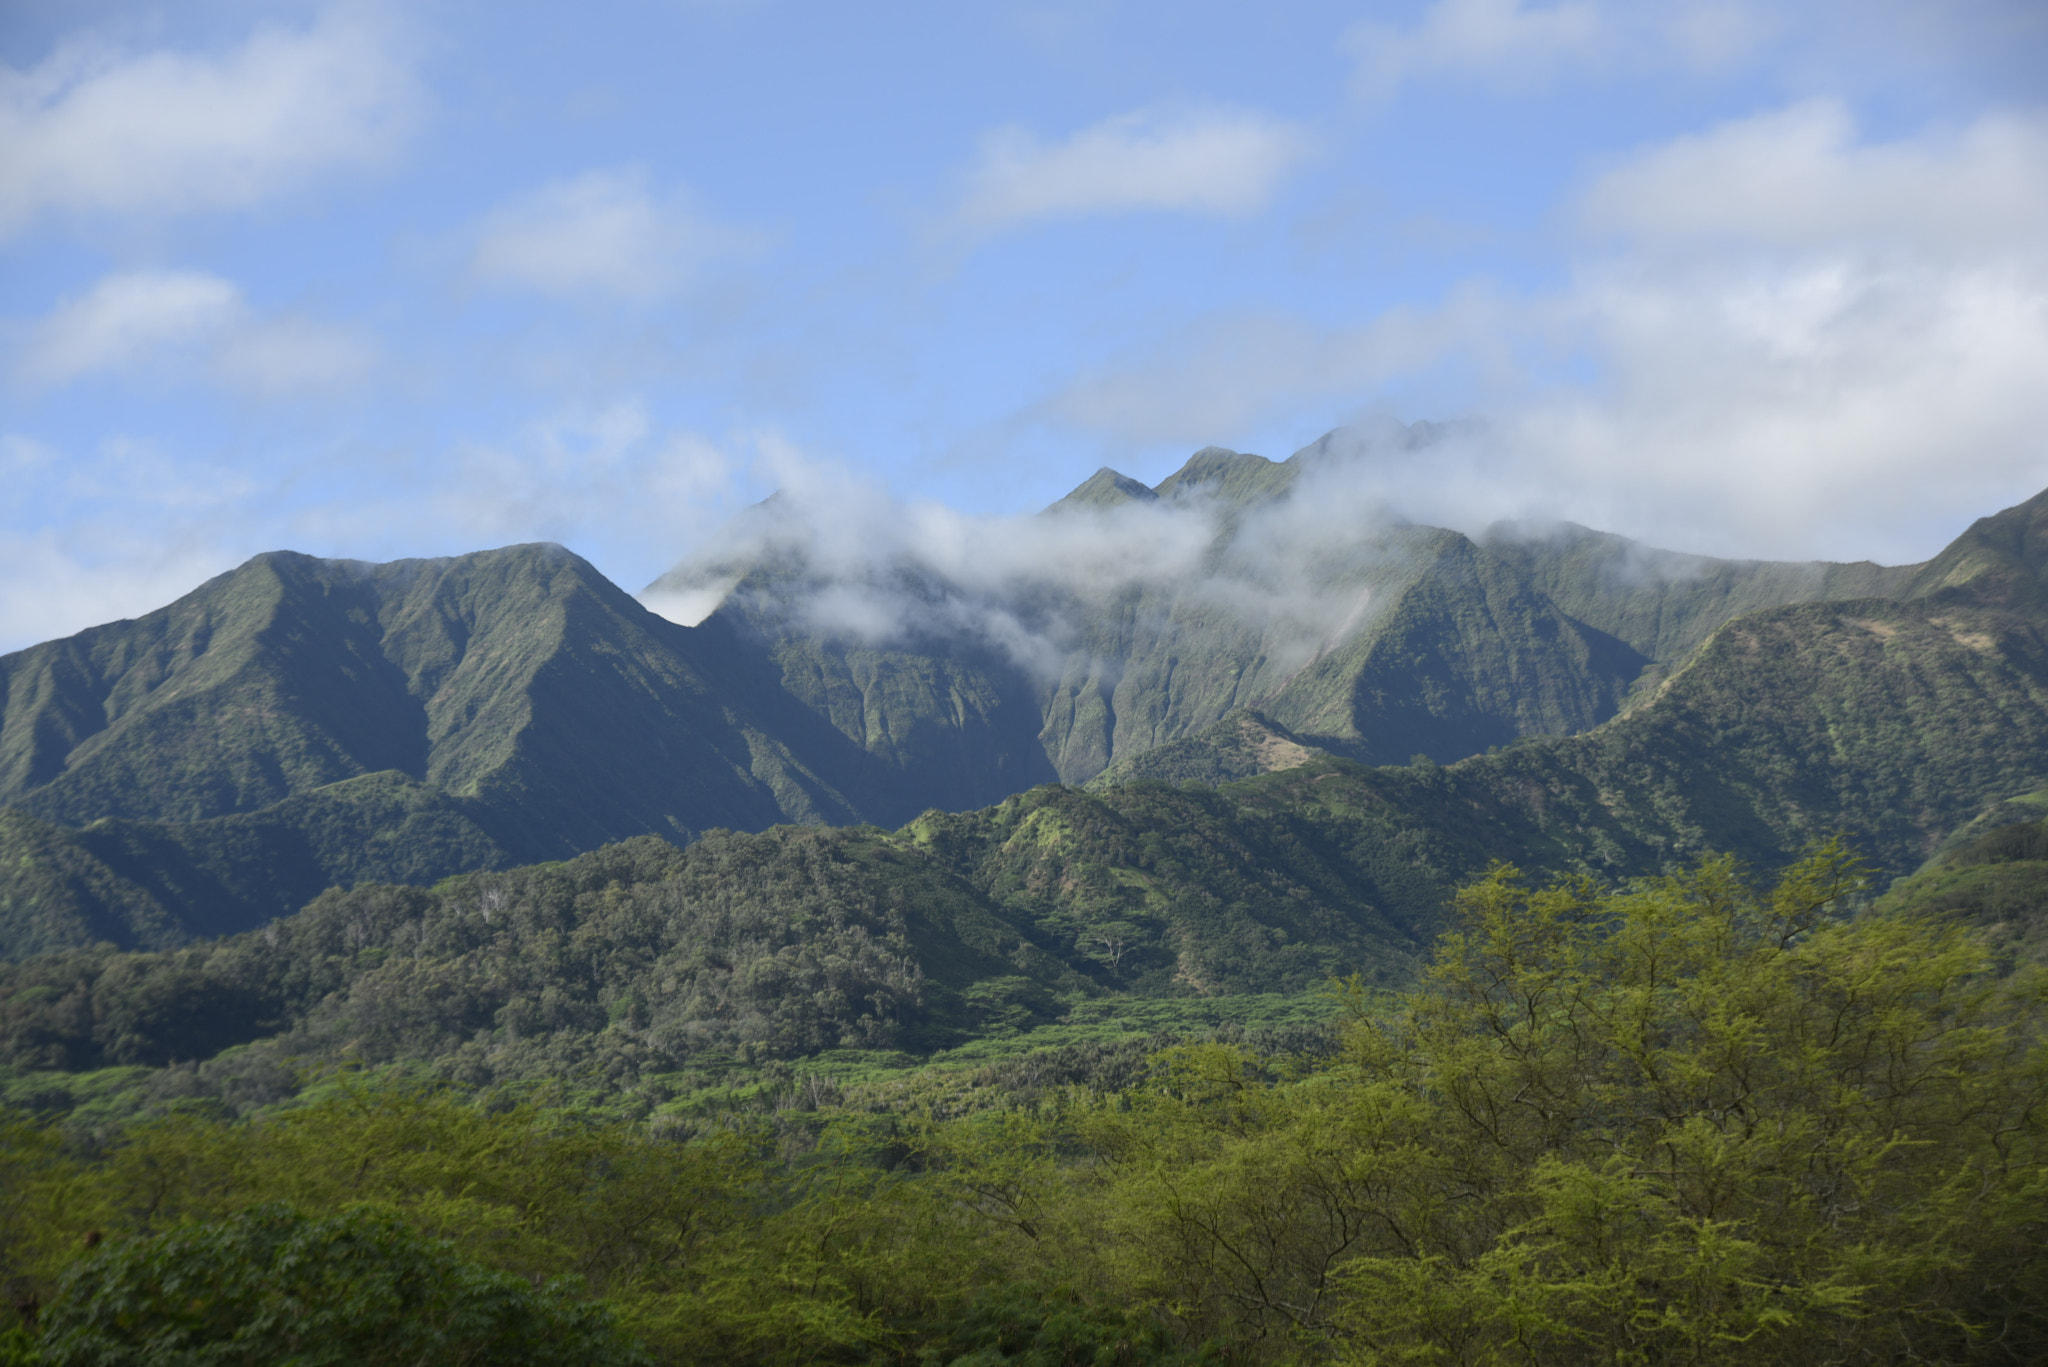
1550 694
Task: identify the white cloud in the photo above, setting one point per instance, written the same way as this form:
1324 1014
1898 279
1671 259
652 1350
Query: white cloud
1511 46
126 526
1208 160
1781 339
113 531
149 319
1232 372
125 317
600 235
586 476
1798 178
289 354
93 128
82 585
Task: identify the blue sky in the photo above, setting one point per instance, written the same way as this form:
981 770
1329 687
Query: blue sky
384 280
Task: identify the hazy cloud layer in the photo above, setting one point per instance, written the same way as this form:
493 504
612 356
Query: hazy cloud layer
137 530
183 321
1799 335
125 527
855 563
96 128
603 235
1211 160
1799 179
1517 48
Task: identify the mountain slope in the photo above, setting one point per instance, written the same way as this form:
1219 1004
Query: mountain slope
299 724
1050 677
1664 603
518 705
522 678
1893 722
153 885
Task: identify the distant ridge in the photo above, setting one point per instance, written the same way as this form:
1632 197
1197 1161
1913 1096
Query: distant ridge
299 723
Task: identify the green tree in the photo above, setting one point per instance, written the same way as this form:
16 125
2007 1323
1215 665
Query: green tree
1684 1121
1691 1122
273 1286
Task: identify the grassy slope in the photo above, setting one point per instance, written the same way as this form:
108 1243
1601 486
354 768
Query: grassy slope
153 885
521 676
1450 651
1456 647
550 713
1996 881
1663 603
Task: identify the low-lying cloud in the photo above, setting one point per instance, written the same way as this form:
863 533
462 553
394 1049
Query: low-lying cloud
846 560
1514 48
1781 338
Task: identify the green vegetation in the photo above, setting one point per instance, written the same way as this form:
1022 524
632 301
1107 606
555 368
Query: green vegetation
1997 884
1058 1078
269 1285
301 724
661 972
1678 1120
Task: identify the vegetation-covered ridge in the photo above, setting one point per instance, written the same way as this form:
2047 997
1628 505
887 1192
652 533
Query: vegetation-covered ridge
1682 1120
1996 884
653 970
299 724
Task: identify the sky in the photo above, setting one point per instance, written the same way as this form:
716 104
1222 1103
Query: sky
378 280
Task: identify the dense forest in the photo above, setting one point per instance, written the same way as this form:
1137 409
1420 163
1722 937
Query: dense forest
1677 1119
455 961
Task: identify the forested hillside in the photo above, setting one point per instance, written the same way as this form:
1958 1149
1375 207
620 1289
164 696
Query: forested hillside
300 724
1247 1051
1691 1121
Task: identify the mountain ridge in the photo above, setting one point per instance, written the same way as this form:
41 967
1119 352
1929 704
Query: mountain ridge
339 722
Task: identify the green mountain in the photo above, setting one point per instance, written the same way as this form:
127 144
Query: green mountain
1892 721
1896 722
1373 639
643 958
300 724
521 679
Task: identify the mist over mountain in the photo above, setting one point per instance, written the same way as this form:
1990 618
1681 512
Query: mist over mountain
1130 616
299 724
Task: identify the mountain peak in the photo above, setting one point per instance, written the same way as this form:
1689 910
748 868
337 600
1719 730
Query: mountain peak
2005 553
1106 488
1232 476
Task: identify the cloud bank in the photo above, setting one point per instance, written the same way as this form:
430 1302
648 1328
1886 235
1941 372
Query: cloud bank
1208 160
125 526
1780 338
600 236
1516 48
93 128
135 322
845 559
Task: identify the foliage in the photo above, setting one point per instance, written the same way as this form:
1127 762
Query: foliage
642 960
1678 1120
1682 1121
1997 884
270 1285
